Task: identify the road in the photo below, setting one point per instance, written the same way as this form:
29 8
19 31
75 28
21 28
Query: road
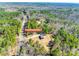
21 37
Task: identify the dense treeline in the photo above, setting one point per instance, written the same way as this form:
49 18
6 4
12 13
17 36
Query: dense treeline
8 31
9 28
8 15
66 43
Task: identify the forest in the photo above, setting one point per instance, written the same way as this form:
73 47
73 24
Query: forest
59 24
9 27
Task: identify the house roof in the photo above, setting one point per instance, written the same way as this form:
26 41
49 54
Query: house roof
33 30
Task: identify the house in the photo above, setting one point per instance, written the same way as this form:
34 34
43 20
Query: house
33 30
